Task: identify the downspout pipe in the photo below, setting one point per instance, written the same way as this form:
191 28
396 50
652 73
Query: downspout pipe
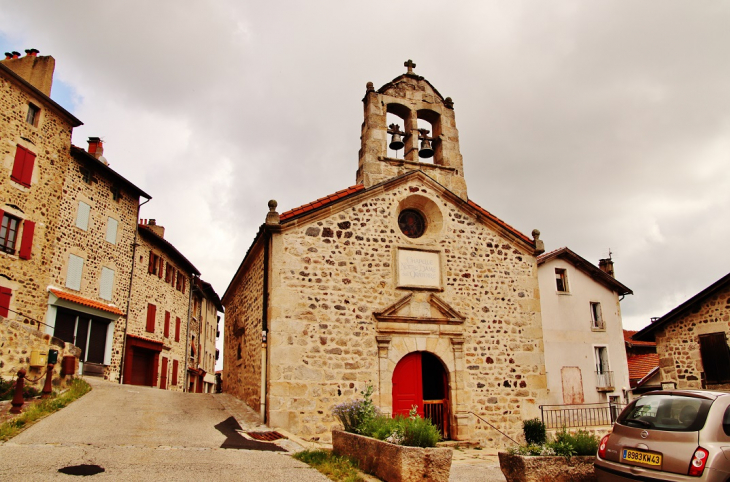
265 326
129 295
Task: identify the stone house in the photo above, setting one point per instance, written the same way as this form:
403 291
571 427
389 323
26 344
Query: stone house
400 282
204 331
691 340
585 357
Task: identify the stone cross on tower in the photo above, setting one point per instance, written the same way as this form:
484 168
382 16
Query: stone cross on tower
409 63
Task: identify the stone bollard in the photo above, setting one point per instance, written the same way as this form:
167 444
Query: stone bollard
17 403
48 388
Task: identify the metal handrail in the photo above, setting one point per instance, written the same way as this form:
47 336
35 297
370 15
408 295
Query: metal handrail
579 415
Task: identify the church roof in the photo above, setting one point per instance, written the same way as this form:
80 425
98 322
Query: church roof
587 267
393 82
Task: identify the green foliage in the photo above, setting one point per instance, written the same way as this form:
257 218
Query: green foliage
333 466
358 413
583 443
7 390
534 431
566 444
38 410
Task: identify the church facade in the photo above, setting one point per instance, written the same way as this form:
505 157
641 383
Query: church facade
399 282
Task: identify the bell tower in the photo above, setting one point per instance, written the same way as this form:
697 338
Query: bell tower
434 151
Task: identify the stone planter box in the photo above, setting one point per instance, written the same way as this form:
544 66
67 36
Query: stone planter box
520 468
394 463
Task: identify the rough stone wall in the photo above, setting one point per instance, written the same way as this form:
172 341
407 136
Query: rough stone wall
332 273
17 341
209 327
242 334
149 288
195 360
40 203
91 244
678 343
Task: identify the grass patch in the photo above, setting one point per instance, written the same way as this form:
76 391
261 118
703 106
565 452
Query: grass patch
333 466
38 410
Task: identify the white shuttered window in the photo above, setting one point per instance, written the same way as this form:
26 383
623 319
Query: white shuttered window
111 230
82 217
75 269
106 284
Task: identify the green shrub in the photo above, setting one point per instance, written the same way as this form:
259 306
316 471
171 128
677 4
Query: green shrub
534 431
334 467
583 443
356 414
7 390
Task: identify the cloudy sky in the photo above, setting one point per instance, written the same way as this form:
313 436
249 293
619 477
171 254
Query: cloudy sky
606 125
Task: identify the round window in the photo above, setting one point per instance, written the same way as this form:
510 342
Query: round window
412 223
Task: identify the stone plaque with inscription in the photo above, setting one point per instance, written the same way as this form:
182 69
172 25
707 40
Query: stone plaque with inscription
419 269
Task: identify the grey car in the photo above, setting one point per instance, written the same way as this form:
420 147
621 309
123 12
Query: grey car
672 435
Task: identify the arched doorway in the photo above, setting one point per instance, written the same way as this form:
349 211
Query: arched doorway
420 380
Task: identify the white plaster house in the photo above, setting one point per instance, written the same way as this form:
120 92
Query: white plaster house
585 358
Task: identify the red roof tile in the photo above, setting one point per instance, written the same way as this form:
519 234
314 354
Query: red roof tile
628 338
323 201
499 221
641 365
85 301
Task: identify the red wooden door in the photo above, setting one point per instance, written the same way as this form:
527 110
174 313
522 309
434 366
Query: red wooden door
163 374
142 367
408 385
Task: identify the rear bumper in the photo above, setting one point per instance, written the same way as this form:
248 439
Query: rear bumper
613 472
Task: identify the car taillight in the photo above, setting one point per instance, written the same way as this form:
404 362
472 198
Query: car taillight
602 446
699 459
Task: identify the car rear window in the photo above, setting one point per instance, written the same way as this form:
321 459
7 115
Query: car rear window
673 413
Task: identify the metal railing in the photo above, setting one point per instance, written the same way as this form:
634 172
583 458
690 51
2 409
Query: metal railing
604 380
583 415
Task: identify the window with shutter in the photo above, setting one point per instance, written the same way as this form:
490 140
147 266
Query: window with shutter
111 230
75 270
26 243
715 356
82 216
23 166
34 113
107 284
174 372
159 268
177 328
153 263
151 314
5 295
167 324
9 233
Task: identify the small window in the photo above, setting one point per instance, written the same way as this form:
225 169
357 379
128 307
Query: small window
561 280
412 223
75 270
34 113
9 233
111 230
715 356
116 193
82 216
596 316
23 166
106 285
85 174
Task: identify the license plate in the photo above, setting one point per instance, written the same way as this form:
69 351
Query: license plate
639 457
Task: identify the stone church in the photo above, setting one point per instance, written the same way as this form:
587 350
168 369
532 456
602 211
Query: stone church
401 282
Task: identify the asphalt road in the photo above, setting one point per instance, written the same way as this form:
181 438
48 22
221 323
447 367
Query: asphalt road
144 434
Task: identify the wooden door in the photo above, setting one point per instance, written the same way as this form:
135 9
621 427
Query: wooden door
142 367
408 385
163 374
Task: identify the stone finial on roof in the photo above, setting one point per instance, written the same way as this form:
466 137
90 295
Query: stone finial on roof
539 243
272 217
409 63
369 87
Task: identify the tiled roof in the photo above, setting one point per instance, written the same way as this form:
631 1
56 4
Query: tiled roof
85 301
498 221
628 334
641 365
171 250
150 340
323 201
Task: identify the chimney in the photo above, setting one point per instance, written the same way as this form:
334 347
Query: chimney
158 230
38 71
606 265
96 147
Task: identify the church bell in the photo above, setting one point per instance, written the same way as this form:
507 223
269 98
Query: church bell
426 151
396 142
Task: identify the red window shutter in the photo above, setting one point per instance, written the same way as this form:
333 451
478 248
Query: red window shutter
177 328
23 166
167 324
151 314
159 270
183 285
26 245
5 294
163 374
167 271
174 373
151 268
